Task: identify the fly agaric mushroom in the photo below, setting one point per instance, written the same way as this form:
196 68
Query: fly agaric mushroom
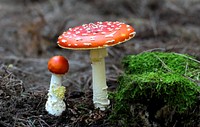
96 37
55 105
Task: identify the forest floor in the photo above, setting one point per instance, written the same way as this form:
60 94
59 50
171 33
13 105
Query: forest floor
28 36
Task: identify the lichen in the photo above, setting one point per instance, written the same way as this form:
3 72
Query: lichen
156 79
59 92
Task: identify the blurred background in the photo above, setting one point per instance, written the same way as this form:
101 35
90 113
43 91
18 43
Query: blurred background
29 30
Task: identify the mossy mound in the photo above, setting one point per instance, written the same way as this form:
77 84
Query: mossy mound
156 80
165 62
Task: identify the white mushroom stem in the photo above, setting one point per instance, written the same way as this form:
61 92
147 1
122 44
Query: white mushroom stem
55 104
100 94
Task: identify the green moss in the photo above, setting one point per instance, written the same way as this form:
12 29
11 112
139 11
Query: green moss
172 89
159 61
155 80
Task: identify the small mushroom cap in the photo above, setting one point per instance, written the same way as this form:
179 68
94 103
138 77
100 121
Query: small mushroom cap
96 35
58 65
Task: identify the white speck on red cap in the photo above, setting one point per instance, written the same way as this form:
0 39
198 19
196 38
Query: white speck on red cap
64 40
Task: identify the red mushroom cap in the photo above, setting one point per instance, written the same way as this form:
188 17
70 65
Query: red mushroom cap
96 35
58 65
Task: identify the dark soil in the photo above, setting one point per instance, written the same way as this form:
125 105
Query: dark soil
28 36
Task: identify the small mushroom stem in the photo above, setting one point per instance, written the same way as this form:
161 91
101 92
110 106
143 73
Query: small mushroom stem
100 94
55 104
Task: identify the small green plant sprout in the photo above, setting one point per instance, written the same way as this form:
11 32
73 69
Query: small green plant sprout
55 105
157 79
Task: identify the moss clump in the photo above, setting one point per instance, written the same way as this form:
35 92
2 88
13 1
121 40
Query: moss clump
166 62
155 80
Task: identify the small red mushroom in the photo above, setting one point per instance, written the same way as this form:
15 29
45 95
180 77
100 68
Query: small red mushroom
55 105
96 37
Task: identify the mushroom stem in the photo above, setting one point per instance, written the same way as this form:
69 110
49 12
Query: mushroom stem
55 104
100 95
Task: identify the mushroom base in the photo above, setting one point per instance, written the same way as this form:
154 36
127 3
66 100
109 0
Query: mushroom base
55 107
